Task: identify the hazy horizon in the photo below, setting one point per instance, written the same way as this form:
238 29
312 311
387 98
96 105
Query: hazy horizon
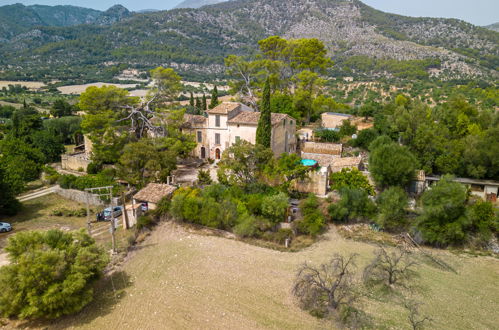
478 12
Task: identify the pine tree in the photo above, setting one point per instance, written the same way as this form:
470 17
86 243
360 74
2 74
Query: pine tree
214 97
264 129
191 100
204 103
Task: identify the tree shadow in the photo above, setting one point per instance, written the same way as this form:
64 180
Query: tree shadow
108 292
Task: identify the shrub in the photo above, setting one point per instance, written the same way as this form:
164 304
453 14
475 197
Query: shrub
311 224
51 273
274 207
145 221
483 220
94 167
350 178
327 135
392 205
354 205
204 178
246 227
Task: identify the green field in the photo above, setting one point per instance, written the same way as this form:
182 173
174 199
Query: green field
184 280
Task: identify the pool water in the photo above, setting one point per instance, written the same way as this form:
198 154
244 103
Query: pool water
308 162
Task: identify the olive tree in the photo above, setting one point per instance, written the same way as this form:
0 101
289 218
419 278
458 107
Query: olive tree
326 288
389 268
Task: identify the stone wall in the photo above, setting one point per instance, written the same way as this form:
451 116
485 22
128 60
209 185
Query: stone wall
75 162
316 183
82 197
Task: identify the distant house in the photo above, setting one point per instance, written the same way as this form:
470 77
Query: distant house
153 193
334 120
485 189
347 163
334 149
230 122
79 158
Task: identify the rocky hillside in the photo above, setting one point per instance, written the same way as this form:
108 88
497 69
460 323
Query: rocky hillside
493 27
195 41
17 19
197 3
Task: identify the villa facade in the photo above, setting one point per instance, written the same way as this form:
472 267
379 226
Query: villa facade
231 121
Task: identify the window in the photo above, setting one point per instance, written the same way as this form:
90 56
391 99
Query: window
200 136
217 120
238 138
284 123
217 138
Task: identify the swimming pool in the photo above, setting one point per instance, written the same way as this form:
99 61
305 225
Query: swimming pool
308 162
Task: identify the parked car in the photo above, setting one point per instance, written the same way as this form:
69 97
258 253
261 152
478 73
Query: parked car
5 227
117 211
144 206
105 215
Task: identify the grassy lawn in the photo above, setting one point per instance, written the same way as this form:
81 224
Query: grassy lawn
37 214
179 279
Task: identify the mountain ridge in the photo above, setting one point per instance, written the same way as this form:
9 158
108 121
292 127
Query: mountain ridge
195 41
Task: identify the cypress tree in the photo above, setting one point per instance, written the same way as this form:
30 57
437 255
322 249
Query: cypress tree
264 129
214 97
198 105
204 103
191 100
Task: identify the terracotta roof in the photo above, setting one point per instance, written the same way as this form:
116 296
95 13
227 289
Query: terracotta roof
193 119
347 162
251 118
322 148
224 108
153 192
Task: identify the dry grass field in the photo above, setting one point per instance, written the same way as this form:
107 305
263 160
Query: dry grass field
78 89
28 84
183 280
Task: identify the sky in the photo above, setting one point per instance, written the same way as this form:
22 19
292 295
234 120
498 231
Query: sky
478 12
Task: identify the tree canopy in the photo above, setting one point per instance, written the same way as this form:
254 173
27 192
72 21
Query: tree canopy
50 275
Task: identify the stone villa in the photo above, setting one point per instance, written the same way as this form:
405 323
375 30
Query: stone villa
231 121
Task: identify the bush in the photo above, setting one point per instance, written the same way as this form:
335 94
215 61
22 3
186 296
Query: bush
327 135
94 167
392 205
311 224
246 227
145 221
365 138
204 178
350 178
274 207
64 212
51 274
354 205
483 220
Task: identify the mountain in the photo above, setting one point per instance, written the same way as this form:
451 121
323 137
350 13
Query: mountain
197 3
114 14
493 27
65 15
17 19
195 41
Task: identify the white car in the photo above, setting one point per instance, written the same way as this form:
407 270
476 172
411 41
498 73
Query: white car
5 227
